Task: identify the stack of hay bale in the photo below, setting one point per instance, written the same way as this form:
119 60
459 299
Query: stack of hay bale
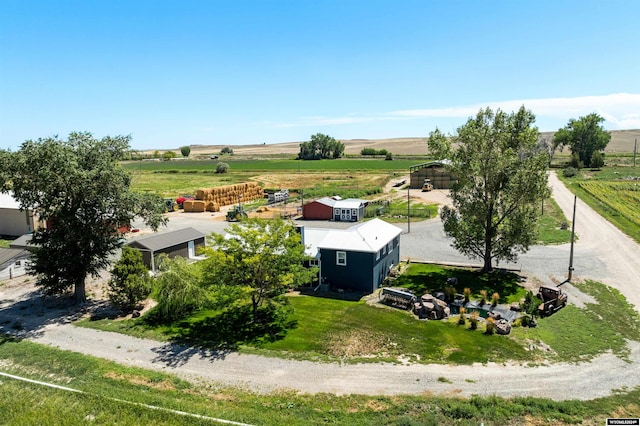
212 199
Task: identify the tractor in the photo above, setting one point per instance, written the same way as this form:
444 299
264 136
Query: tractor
237 213
427 185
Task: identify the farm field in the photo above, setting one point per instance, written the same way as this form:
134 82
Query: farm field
614 193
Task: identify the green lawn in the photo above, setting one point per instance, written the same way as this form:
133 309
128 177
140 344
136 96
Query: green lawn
549 225
356 331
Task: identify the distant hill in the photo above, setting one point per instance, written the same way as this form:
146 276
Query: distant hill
621 141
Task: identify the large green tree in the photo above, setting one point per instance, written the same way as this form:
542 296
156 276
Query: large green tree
501 180
321 147
264 258
78 186
584 136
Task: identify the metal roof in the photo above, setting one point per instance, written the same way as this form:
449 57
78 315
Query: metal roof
8 254
368 237
164 240
22 242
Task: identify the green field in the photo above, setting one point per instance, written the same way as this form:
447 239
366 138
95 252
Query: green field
614 192
271 165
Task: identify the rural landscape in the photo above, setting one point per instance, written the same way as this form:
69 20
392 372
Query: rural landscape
248 335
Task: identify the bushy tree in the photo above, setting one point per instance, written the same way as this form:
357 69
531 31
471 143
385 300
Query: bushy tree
130 282
185 150
584 137
179 292
222 167
501 180
265 258
168 155
78 186
226 150
321 147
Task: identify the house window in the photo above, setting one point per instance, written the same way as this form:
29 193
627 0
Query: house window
384 250
378 255
314 263
353 212
390 246
341 258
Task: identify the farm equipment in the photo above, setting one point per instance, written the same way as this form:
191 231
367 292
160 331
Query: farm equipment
427 185
170 204
553 298
237 213
397 297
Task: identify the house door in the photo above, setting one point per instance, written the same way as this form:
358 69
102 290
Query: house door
192 249
345 215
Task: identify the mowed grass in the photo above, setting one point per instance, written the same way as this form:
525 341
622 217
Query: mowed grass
359 332
550 225
117 395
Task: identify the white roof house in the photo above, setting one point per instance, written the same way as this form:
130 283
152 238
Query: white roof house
366 237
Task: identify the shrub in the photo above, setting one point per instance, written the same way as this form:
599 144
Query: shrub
449 294
483 297
575 161
569 172
473 320
495 298
388 156
178 292
462 320
130 282
467 294
222 167
491 326
368 151
185 151
597 160
168 155
226 150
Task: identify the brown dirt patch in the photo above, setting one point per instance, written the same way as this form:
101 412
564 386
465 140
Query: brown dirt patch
140 380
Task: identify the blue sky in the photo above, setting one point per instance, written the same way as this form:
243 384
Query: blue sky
173 73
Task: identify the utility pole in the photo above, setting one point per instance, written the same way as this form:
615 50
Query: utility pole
408 209
573 233
635 151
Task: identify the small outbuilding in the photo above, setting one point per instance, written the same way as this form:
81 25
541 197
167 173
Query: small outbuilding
183 243
358 258
335 208
13 262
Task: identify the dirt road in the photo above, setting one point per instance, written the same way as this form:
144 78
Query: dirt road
618 254
589 380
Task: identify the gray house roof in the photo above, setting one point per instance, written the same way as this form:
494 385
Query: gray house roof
22 242
9 254
164 240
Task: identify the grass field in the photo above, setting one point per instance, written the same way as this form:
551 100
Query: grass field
118 395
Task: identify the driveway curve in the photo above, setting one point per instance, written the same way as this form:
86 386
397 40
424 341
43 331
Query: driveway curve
598 378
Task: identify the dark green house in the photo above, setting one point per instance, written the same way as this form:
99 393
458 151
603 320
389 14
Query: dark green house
358 258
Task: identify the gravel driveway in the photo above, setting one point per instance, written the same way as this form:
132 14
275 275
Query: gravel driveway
602 253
